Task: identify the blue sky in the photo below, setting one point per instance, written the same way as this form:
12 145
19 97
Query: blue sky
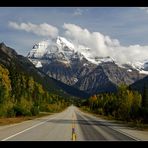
127 24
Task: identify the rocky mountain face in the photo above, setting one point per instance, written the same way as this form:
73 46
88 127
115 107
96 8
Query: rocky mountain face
105 77
75 66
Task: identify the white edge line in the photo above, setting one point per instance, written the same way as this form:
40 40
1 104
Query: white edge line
26 129
126 134
15 124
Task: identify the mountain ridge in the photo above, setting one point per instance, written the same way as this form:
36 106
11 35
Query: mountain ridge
10 59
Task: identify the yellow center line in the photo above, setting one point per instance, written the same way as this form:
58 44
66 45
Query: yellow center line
73 128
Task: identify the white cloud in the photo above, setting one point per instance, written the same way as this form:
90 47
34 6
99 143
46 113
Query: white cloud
40 30
78 12
102 45
131 53
95 40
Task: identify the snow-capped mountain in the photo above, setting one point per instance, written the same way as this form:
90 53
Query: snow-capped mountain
76 65
59 49
141 66
64 51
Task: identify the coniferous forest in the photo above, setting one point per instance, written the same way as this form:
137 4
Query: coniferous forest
125 104
21 95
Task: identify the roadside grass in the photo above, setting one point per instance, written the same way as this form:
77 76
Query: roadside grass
137 124
13 120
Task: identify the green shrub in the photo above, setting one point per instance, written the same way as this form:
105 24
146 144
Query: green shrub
19 111
100 111
35 110
11 112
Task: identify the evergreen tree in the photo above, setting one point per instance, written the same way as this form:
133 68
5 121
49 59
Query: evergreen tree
2 92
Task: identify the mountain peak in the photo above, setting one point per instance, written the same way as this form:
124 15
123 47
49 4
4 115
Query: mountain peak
9 51
2 44
63 42
62 49
59 49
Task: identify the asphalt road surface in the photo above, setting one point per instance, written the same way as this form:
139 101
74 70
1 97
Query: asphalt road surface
69 125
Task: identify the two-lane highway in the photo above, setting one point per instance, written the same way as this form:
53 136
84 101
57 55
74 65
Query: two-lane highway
71 124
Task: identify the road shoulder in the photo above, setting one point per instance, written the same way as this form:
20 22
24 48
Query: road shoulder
137 134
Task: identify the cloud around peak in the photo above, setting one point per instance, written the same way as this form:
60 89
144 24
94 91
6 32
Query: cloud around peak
102 45
94 40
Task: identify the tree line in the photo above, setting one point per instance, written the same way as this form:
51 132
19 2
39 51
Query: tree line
21 95
125 104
